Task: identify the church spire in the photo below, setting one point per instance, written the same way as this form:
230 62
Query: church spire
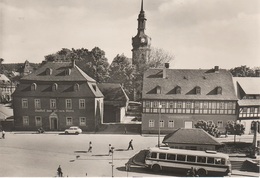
141 19
142 6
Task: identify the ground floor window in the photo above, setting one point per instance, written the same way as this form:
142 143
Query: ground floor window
25 120
161 123
171 124
69 121
151 123
38 120
82 121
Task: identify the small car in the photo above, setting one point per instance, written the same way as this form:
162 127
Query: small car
73 130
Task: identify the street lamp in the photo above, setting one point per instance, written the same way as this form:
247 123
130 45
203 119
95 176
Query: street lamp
159 130
112 148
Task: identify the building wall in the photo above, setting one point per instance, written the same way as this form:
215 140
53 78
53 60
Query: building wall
45 112
175 121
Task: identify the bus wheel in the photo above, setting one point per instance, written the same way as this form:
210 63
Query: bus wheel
156 168
202 172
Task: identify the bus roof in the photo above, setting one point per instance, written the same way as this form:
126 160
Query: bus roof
188 152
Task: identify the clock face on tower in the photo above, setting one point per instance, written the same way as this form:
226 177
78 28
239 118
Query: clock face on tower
142 40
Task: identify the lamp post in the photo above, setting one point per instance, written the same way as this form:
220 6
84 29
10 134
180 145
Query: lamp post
112 165
159 130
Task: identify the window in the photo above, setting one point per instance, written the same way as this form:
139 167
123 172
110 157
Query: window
158 90
76 87
25 120
147 104
68 104
94 87
69 121
171 156
171 124
82 121
197 105
230 105
38 120
67 71
219 90
37 103
191 158
220 124
179 104
33 87
245 110
205 105
252 110
55 87
210 160
162 155
181 157
48 71
198 90
201 159
221 105
163 104
213 105
188 104
154 155
53 103
24 103
151 123
171 104
161 123
81 103
178 90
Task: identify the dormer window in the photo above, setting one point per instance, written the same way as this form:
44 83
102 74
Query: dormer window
158 90
67 71
197 90
55 87
94 87
33 87
48 71
178 90
219 90
76 87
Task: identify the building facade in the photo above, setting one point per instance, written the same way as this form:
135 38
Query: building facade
56 96
7 87
140 53
179 98
248 93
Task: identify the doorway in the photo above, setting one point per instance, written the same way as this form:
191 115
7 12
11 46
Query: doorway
53 123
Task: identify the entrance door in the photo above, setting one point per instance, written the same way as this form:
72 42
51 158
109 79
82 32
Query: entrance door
54 123
188 124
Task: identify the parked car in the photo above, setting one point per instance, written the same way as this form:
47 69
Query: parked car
73 130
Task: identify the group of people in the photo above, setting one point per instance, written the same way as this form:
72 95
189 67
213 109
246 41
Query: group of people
110 148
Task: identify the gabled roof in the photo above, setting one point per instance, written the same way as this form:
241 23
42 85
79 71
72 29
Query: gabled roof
250 85
113 92
58 73
187 80
193 136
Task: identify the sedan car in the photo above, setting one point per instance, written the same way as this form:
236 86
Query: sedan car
73 130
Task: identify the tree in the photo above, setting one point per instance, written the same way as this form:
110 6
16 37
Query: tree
1 67
209 127
243 71
121 71
235 128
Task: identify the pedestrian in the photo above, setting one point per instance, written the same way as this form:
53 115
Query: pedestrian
110 151
3 134
90 147
59 171
130 144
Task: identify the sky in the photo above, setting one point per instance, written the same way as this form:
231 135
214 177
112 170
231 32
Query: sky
199 33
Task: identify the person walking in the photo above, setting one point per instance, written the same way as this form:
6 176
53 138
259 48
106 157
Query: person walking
59 170
3 134
90 147
110 151
130 145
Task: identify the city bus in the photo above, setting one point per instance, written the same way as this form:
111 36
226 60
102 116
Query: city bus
204 162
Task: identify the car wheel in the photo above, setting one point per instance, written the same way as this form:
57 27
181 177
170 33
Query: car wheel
156 168
202 172
66 132
77 133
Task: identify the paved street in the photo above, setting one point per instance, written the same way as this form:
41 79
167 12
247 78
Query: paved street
32 155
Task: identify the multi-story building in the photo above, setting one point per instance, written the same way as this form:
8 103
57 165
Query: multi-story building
56 96
248 93
7 87
179 98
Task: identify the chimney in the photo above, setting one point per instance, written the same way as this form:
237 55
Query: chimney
216 69
257 73
166 66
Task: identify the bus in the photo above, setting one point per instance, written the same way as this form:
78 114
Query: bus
205 163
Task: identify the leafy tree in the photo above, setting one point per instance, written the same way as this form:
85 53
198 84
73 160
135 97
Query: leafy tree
1 67
121 71
235 129
211 128
243 71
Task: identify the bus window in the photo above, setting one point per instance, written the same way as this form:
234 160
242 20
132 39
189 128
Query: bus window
181 157
223 161
191 158
201 159
220 161
210 160
154 155
171 156
162 155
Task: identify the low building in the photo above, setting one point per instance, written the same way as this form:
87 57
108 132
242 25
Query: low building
115 102
191 139
7 87
179 98
56 96
248 93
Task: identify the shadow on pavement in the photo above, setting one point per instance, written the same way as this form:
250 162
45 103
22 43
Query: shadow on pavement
120 149
80 151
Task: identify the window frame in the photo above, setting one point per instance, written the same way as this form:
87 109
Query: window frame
68 103
80 104
28 121
24 103
82 123
37 103
38 124
68 123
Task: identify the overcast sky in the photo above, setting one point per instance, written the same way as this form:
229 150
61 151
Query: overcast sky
199 33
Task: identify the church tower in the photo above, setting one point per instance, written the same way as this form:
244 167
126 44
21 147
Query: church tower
141 42
140 53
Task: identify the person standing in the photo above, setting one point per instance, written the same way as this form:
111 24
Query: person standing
3 134
130 145
90 147
59 170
